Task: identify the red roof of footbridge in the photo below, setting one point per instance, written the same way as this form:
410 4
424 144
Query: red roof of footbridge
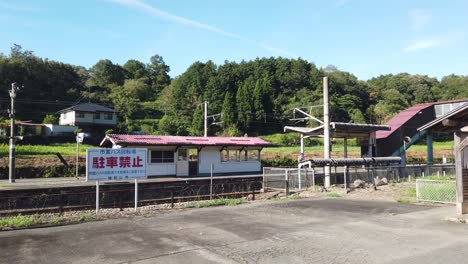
404 116
154 140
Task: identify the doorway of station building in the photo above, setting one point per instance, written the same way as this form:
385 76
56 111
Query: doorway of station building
193 161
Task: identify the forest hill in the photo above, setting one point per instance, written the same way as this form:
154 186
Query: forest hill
254 97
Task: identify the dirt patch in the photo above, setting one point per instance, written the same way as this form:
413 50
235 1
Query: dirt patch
382 193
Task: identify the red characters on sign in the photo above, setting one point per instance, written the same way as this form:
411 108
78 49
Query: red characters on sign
121 162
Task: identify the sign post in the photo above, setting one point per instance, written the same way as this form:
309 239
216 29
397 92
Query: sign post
136 194
115 164
97 197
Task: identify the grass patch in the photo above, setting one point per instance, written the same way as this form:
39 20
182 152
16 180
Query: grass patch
333 195
24 221
407 195
17 221
65 149
215 202
294 196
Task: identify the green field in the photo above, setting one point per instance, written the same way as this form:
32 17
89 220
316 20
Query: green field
65 149
446 145
69 149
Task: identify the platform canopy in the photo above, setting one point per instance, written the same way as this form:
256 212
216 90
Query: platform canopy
454 120
339 129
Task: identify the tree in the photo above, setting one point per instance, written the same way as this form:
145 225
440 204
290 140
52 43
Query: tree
51 119
229 111
126 104
135 69
104 72
197 128
244 104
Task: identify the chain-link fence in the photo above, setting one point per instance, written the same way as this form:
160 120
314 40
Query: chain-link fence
292 179
439 191
287 179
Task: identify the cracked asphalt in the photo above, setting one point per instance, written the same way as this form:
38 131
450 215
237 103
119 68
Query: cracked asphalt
320 230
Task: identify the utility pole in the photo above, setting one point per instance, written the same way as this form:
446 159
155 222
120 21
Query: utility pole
326 131
206 118
14 89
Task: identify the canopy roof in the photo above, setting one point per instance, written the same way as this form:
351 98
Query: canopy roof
154 140
355 161
451 121
339 129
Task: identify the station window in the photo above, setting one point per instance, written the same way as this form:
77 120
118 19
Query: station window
253 154
108 116
80 114
97 115
158 156
230 155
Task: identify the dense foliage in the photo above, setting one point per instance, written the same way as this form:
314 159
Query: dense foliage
254 97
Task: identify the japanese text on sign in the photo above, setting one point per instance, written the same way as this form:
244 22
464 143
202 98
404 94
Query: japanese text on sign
115 164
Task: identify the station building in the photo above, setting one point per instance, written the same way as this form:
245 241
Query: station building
192 156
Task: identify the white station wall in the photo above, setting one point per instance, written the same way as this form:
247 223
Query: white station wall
209 155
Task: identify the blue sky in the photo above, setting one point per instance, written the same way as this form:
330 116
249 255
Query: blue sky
366 38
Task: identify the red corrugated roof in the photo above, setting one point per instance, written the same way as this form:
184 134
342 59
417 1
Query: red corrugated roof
404 116
154 140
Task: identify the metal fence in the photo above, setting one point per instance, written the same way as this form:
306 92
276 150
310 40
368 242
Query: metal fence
439 191
288 179
294 179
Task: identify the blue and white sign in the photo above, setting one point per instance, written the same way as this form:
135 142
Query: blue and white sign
115 164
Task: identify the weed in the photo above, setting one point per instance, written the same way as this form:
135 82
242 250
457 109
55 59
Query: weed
333 195
17 221
215 202
294 196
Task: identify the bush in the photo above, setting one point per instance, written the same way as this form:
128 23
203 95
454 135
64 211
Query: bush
279 162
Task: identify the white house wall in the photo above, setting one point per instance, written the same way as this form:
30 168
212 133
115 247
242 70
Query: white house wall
73 119
54 130
209 155
69 120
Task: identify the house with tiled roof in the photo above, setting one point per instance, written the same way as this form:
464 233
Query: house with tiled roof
190 156
91 118
88 114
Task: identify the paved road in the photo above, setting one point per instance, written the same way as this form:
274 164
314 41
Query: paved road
299 231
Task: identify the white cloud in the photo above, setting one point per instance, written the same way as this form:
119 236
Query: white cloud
435 42
340 3
138 4
422 44
420 18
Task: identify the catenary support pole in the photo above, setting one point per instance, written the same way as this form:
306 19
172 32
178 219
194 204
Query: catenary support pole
206 118
326 131
11 170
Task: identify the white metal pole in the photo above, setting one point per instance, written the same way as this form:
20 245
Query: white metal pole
302 146
11 169
206 118
326 130
345 175
211 181
136 194
345 146
77 156
97 197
